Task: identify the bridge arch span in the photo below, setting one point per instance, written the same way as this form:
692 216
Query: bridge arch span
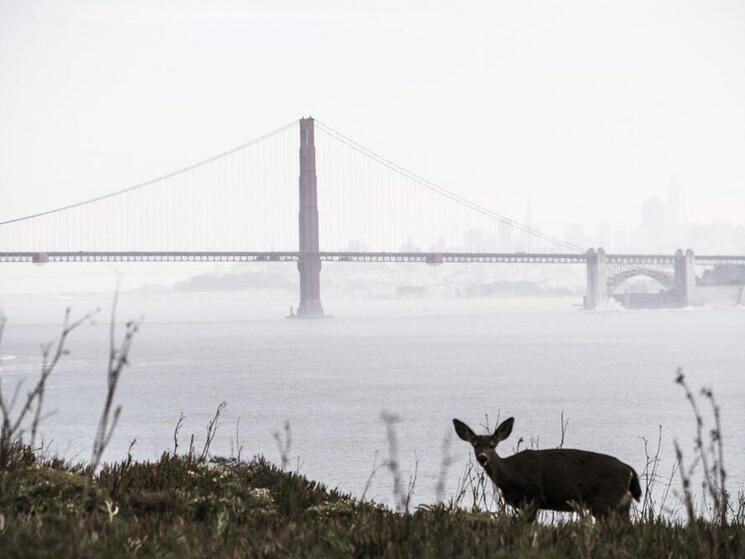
666 280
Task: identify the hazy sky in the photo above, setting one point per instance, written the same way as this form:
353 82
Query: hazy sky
585 108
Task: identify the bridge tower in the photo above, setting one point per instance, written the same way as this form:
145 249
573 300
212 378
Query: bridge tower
597 278
309 262
685 277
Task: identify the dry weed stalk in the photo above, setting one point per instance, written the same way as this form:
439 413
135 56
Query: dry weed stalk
375 468
649 474
285 445
445 463
212 431
118 359
390 420
474 482
711 458
564 425
12 428
175 433
402 498
238 445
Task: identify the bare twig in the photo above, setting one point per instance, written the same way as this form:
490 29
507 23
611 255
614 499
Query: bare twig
445 463
668 485
687 496
564 424
132 444
412 484
238 445
175 433
716 437
399 496
285 445
483 493
650 473
212 430
375 468
711 458
118 359
12 429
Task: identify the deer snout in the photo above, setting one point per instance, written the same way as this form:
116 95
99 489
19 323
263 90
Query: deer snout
483 459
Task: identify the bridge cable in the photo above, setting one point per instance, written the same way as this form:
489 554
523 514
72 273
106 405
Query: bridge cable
156 179
443 191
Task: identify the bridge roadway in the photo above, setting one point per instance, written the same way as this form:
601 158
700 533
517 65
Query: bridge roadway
423 257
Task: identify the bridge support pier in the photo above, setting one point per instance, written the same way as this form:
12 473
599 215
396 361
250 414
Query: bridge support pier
309 263
685 277
596 291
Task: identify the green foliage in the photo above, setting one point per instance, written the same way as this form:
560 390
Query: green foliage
184 507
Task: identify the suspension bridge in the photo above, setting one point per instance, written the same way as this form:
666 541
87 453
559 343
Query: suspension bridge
247 204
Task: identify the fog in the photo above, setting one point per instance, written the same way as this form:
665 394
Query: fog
583 109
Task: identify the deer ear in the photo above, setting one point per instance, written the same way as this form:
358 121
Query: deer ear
503 431
464 431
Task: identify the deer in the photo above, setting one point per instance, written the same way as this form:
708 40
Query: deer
555 479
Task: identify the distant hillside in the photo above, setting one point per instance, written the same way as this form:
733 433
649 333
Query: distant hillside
394 280
270 278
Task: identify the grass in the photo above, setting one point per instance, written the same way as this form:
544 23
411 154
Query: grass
185 506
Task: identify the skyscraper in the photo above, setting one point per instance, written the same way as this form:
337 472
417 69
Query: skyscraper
673 206
653 222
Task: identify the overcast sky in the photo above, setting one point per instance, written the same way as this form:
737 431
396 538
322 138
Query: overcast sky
584 108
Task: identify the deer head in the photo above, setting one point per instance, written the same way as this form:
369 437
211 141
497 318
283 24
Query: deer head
484 445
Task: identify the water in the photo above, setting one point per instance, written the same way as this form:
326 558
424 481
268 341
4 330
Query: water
611 373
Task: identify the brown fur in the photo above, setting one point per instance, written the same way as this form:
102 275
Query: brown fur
556 479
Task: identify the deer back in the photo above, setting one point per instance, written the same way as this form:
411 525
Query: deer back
555 478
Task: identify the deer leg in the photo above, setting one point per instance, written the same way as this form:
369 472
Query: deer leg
620 514
623 509
600 513
624 513
528 511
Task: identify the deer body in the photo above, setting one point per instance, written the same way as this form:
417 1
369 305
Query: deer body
556 479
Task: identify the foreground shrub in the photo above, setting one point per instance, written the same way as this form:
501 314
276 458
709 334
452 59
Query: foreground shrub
180 506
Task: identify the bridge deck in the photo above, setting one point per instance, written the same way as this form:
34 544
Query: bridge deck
425 257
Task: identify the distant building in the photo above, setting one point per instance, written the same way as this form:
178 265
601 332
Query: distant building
574 233
653 221
603 235
674 207
475 240
620 241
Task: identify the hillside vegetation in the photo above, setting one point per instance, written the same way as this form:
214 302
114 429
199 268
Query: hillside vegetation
184 506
